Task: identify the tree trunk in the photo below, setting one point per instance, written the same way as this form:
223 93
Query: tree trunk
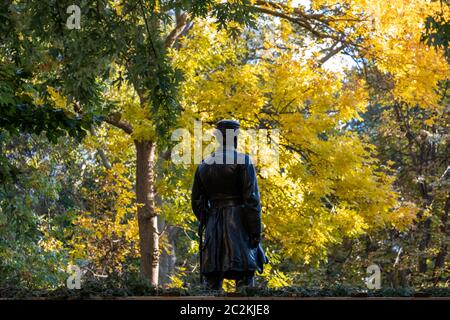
168 257
441 256
425 226
423 245
147 216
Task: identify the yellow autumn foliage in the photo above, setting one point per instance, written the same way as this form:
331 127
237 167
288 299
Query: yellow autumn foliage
108 236
329 185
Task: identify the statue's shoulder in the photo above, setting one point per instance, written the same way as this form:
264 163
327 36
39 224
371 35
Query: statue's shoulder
208 160
244 158
240 158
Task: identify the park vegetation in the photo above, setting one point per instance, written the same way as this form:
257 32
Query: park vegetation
357 89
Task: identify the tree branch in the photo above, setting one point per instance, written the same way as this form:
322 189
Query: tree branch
333 51
295 20
78 109
100 151
318 24
114 119
181 21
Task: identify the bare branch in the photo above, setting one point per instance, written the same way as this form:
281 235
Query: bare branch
181 21
295 20
100 151
79 110
333 51
183 33
114 119
318 24
320 17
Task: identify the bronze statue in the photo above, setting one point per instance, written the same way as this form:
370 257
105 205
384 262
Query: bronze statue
226 201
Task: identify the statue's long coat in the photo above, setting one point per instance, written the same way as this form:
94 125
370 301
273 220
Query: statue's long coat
227 246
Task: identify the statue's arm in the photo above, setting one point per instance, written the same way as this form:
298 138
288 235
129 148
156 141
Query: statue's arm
251 202
197 196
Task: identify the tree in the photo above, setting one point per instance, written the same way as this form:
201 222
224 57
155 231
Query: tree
123 65
125 39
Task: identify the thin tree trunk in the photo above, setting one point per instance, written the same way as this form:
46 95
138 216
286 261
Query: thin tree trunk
147 216
168 256
423 245
425 227
441 256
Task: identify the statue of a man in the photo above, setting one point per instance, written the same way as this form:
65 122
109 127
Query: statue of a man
225 198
